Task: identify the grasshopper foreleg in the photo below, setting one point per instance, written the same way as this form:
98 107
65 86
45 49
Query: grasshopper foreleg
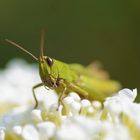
33 90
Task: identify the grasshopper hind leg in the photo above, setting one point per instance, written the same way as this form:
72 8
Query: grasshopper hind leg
78 90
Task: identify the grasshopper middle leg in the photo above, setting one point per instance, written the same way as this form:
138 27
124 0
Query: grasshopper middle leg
62 95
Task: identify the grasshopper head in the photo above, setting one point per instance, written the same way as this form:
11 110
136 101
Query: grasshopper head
45 71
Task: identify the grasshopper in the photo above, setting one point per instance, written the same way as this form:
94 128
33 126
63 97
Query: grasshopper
65 78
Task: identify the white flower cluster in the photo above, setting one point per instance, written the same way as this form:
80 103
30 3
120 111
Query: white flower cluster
118 118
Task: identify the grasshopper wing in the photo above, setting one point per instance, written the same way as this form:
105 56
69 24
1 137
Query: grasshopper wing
93 70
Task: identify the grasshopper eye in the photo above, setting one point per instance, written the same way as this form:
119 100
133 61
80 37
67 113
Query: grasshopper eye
49 61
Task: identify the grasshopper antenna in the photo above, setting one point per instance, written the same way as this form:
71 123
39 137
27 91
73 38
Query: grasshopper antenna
42 43
18 46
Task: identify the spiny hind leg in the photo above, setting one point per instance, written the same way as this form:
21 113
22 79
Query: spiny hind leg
33 90
78 90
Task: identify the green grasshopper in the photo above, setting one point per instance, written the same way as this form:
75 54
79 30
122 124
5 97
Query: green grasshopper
65 78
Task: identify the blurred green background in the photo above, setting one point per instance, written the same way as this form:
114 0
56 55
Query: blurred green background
77 31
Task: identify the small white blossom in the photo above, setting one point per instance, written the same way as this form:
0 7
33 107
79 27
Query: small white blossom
75 107
17 130
97 104
29 132
46 130
127 94
91 109
113 104
36 115
115 131
90 126
75 96
85 103
68 100
69 130
2 133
